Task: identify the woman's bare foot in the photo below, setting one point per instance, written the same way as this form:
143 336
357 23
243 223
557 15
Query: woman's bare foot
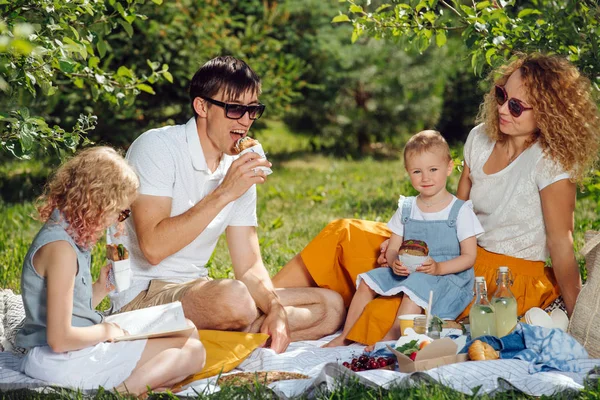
338 341
369 348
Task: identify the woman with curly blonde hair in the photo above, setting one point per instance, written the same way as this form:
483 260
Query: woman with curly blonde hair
69 343
538 139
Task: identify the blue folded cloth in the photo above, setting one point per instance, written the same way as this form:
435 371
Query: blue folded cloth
380 349
547 349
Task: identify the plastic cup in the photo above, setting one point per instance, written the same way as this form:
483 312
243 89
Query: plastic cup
257 148
407 321
120 274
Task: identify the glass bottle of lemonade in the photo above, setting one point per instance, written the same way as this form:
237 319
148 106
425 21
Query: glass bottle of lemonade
504 303
482 317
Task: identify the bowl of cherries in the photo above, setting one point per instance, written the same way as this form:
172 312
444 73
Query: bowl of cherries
365 362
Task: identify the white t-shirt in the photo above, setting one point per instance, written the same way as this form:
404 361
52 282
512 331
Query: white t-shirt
467 224
508 202
170 163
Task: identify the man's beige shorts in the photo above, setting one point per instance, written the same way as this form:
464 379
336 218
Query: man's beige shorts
161 292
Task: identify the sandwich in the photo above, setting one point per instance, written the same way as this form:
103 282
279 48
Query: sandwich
116 252
414 248
245 143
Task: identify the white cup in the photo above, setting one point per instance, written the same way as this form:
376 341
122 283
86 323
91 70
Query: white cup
257 148
120 274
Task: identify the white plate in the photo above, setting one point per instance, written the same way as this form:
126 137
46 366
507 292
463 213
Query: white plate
539 317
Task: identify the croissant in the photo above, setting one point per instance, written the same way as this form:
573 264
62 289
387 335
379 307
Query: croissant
479 351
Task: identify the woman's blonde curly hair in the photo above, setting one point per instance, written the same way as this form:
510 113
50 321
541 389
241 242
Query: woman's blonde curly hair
567 116
88 189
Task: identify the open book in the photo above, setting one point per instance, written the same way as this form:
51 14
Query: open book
158 321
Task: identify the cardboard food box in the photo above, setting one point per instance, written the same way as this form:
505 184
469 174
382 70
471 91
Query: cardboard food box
437 353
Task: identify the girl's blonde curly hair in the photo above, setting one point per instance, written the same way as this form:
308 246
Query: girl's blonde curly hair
89 189
567 116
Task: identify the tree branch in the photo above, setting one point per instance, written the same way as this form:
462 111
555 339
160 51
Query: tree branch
452 8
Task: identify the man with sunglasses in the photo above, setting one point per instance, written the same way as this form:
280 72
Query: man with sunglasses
193 188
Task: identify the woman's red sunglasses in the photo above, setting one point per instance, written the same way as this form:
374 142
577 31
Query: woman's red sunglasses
515 107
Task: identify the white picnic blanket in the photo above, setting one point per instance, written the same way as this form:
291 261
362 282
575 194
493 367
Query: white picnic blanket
326 372
323 365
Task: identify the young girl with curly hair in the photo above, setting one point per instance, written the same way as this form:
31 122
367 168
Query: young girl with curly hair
538 139
68 343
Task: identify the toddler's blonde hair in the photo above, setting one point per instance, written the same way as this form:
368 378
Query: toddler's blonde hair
425 141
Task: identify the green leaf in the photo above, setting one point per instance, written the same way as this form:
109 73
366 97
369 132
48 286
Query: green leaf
341 18
145 88
356 9
168 76
153 64
93 62
483 4
124 71
66 66
527 11
382 7
127 26
489 54
420 6
440 38
120 9
408 348
159 2
101 46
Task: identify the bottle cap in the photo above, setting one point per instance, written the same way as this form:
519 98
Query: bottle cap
503 269
479 279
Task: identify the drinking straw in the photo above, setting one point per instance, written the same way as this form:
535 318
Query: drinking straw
428 311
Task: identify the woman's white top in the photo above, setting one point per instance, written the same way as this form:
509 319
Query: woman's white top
508 203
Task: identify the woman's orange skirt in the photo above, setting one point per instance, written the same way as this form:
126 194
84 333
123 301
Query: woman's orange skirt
346 248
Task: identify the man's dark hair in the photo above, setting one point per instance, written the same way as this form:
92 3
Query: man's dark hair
225 72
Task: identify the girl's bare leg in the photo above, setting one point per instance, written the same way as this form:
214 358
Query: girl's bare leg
164 362
364 294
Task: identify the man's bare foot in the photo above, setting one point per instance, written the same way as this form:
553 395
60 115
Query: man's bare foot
338 341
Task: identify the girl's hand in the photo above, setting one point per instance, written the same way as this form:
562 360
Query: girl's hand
103 281
400 269
381 260
114 331
430 266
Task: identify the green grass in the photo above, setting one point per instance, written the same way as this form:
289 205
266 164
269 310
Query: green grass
304 193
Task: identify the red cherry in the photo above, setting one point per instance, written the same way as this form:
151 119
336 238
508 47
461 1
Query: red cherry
372 364
413 355
346 364
363 359
382 363
391 361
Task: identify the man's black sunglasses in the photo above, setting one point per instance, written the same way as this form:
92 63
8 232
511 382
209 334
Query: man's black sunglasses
237 111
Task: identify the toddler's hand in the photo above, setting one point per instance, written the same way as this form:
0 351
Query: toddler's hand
381 260
400 269
430 266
